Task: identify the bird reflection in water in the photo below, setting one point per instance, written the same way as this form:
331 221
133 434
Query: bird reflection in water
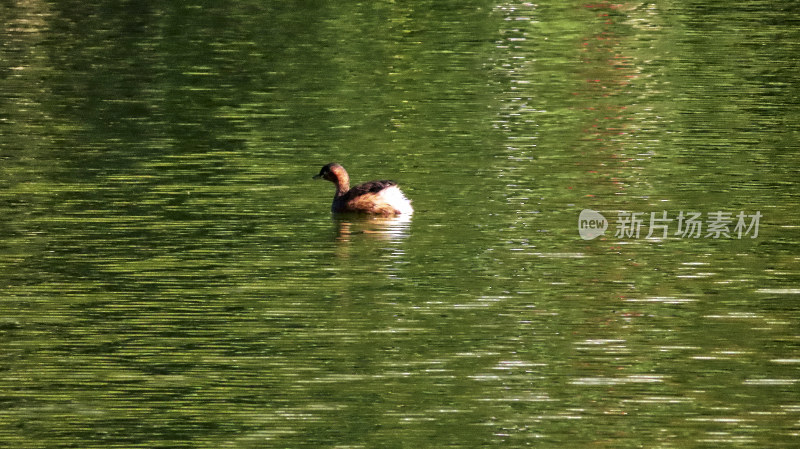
389 229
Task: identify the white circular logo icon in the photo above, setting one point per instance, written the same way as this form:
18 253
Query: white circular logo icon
591 224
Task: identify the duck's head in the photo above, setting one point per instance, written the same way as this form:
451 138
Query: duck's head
334 173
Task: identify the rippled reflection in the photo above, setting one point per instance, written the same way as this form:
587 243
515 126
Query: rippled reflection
390 229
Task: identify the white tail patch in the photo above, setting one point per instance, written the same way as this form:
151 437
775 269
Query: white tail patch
396 199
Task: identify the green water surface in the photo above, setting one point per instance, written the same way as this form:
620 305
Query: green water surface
170 275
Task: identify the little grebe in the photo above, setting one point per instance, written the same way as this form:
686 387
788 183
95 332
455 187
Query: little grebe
374 197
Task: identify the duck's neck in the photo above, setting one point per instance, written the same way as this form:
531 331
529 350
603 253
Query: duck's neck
342 184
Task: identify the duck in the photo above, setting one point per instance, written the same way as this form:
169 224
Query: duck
373 197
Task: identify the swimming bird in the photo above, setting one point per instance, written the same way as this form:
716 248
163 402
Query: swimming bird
374 197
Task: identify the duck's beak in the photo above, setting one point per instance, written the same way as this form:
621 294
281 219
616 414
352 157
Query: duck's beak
317 176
